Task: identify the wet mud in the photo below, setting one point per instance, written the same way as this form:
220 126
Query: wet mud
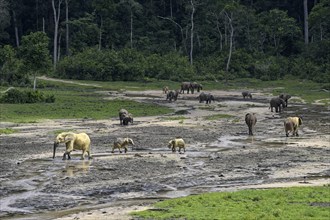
220 156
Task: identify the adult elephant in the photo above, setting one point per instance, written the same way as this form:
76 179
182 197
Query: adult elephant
72 142
172 95
250 120
285 97
187 86
247 94
277 103
197 86
208 97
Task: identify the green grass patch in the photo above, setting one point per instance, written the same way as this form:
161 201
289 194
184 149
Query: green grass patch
73 103
280 203
7 131
217 117
207 107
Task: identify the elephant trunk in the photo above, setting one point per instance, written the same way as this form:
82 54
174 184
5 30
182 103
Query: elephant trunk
55 146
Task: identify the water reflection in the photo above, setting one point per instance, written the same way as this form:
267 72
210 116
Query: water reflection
73 168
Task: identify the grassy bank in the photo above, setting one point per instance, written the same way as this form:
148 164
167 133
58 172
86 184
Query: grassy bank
280 203
75 102
78 99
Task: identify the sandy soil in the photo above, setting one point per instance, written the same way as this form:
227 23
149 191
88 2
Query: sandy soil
220 157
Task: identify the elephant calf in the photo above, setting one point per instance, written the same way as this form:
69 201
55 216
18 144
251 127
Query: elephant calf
121 143
285 97
291 124
246 94
251 121
177 142
165 89
72 142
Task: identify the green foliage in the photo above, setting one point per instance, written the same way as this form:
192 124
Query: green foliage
11 68
281 203
124 65
26 96
34 52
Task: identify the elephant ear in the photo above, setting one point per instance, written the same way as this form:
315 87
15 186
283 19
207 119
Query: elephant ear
69 137
300 121
173 142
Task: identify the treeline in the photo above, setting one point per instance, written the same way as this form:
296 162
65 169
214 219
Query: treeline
168 39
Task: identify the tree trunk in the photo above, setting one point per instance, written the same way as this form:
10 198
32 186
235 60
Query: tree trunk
131 28
16 29
219 31
100 34
230 42
67 27
56 21
59 47
306 21
43 24
34 82
192 32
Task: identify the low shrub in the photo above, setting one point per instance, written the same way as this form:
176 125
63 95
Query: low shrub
16 96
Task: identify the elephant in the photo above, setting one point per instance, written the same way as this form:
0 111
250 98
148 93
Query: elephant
292 124
177 142
73 141
127 118
165 89
197 86
187 86
172 95
121 143
122 114
251 120
246 94
208 97
285 97
277 103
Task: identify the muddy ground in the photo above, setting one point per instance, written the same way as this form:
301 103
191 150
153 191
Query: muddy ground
220 157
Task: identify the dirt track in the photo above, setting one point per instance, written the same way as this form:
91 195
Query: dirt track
220 156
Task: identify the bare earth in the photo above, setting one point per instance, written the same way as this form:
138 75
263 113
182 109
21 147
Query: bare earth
220 157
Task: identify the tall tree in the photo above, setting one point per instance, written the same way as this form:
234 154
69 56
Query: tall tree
192 31
35 54
4 19
306 21
67 27
57 13
133 6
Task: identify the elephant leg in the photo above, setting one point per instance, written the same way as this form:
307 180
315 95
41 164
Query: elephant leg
125 150
64 156
276 109
89 155
83 155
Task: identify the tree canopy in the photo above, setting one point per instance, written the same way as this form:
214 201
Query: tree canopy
168 39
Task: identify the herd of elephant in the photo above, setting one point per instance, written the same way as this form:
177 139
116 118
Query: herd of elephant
81 141
172 95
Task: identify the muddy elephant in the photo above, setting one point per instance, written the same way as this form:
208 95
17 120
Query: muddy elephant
187 86
121 143
250 120
123 113
208 97
196 86
277 103
246 94
172 95
285 97
177 142
291 124
72 142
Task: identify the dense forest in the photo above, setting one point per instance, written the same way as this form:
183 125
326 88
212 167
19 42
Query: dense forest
143 40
